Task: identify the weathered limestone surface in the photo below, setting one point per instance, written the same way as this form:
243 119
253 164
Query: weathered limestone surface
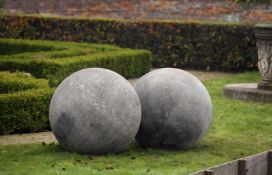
263 33
95 111
248 91
176 109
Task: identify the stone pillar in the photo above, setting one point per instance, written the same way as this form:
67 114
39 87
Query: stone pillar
263 33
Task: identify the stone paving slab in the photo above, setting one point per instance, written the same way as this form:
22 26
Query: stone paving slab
48 137
248 92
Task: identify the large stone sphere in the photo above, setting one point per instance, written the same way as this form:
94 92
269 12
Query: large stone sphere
176 109
95 111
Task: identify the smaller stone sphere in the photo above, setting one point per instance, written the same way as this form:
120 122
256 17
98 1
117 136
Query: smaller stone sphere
176 109
95 111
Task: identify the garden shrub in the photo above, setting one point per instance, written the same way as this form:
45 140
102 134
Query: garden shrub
24 103
188 44
56 60
9 48
25 100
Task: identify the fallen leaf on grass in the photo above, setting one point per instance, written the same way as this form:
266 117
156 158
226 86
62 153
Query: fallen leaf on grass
90 157
109 167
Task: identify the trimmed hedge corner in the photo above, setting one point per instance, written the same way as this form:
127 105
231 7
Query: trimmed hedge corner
198 45
56 60
24 103
25 100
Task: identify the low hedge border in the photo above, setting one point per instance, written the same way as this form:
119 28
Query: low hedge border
24 103
183 44
25 100
56 60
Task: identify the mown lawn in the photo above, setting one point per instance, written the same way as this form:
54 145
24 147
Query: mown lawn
238 129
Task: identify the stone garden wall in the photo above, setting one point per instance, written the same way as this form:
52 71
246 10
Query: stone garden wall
146 9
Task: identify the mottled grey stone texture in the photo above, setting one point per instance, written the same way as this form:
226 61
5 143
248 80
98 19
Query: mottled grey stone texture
248 92
176 109
263 33
95 111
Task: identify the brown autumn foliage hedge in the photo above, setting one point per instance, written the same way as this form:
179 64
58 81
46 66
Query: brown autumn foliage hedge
198 45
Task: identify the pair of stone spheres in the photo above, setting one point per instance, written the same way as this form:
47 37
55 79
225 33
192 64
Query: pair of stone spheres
95 111
176 109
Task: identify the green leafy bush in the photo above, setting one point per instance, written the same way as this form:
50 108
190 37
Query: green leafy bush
198 45
24 103
56 60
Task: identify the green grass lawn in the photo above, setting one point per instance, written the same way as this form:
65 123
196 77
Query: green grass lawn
238 129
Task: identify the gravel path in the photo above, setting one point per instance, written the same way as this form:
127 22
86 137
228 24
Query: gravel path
48 137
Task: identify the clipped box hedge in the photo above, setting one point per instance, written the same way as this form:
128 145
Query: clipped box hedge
199 45
24 103
56 60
